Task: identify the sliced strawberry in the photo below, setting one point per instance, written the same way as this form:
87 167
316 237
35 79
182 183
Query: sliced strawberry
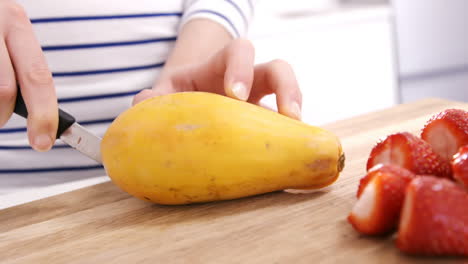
446 132
410 152
460 166
378 208
434 218
389 169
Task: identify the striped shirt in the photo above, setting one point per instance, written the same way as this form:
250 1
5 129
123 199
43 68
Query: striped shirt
101 53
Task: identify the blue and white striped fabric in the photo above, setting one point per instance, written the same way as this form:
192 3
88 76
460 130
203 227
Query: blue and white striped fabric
101 54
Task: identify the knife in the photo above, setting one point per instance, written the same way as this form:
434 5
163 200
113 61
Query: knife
69 131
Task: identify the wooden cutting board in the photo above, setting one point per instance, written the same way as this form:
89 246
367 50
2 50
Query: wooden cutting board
102 224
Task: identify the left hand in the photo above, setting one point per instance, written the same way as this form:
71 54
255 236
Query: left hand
232 72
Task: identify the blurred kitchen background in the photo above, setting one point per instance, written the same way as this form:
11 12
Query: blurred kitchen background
355 56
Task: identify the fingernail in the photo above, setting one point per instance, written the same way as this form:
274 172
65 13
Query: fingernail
42 142
296 110
239 91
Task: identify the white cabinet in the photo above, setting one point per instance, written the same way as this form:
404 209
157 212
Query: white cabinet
432 43
343 60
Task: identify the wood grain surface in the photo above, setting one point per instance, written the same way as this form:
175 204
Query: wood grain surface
102 224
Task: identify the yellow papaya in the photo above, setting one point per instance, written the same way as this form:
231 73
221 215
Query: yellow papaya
192 147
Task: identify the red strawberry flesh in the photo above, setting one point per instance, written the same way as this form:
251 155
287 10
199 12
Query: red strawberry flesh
446 132
410 152
434 218
389 169
460 166
378 208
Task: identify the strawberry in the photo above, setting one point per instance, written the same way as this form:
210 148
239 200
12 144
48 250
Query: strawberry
410 152
460 166
379 205
381 168
446 132
434 218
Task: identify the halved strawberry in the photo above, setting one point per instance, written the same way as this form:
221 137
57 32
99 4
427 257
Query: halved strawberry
389 169
379 205
460 166
434 218
410 152
446 132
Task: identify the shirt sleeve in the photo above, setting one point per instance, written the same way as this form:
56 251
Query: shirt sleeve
234 15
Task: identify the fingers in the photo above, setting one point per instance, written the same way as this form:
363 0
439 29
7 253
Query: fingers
141 96
228 72
278 77
231 72
7 85
161 88
239 74
235 63
35 80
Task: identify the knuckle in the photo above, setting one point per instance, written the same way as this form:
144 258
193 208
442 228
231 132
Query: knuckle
39 74
242 44
144 94
7 93
279 65
44 120
14 11
245 43
299 94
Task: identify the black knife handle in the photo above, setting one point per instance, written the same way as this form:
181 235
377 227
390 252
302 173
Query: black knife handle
65 119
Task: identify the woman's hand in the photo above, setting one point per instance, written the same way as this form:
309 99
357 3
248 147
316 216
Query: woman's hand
231 72
22 61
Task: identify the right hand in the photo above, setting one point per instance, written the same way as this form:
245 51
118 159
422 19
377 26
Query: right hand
22 61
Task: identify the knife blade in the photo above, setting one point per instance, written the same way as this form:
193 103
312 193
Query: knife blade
69 131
